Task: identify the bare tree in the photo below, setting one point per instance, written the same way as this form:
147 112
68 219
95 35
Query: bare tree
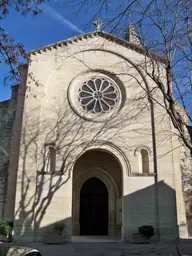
32 207
163 27
12 53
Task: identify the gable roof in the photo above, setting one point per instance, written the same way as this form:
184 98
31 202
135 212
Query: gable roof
101 34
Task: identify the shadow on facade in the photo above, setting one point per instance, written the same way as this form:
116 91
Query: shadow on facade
31 178
154 205
41 191
140 208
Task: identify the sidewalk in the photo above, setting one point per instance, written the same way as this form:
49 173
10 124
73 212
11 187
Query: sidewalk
106 249
110 249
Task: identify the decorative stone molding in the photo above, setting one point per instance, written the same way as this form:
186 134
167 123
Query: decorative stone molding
132 36
48 157
101 34
140 147
101 174
105 177
109 147
137 174
113 194
92 101
143 154
56 173
51 144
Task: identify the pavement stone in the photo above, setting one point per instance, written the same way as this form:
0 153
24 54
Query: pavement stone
185 249
106 249
111 249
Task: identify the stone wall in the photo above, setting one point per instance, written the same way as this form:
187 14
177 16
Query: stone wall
7 114
186 167
54 117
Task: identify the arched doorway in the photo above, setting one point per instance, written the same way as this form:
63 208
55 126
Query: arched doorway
105 169
94 208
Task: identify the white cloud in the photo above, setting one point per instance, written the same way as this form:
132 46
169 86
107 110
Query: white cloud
58 17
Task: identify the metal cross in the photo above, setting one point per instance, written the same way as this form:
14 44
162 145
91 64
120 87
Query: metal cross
98 23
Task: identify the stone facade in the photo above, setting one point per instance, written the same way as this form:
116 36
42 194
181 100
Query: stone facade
7 115
186 166
60 143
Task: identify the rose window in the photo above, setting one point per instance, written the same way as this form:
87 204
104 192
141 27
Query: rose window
98 95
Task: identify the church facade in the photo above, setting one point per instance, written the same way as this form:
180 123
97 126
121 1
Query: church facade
89 148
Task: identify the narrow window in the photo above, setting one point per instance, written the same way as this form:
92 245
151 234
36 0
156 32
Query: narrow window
144 161
50 159
52 152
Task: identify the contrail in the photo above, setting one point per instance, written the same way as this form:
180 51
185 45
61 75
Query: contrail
58 17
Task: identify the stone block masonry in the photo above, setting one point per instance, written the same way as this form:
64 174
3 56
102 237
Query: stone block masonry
7 115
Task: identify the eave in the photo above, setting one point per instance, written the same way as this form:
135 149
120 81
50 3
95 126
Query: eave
101 34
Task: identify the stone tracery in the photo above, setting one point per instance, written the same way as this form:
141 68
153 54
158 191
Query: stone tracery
98 95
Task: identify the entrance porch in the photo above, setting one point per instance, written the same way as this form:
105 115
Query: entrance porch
97 197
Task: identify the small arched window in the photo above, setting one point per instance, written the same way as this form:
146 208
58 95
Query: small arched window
50 160
144 161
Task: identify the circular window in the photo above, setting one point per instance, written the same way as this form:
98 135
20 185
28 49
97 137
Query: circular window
98 95
94 96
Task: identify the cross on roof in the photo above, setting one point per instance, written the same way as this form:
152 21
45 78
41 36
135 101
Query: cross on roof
98 23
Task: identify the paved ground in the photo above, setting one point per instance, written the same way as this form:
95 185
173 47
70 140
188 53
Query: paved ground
106 249
113 249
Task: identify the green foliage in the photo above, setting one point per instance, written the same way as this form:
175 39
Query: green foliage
59 226
13 53
146 230
6 228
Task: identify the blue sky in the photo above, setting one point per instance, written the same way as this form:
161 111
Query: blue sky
52 26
